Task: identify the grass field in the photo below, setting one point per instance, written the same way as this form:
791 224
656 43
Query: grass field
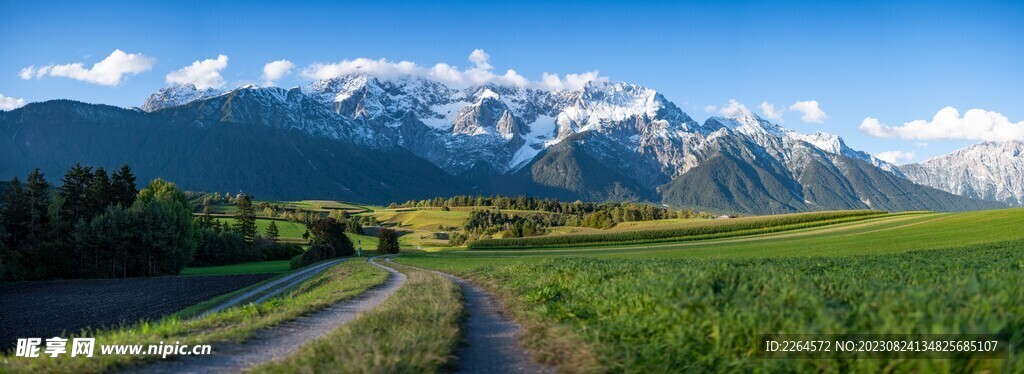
246 268
422 219
287 230
698 306
327 205
686 230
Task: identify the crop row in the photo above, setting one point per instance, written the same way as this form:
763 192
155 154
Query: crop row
706 230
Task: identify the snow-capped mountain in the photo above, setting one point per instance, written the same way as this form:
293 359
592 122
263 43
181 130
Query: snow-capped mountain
178 94
496 129
989 170
367 138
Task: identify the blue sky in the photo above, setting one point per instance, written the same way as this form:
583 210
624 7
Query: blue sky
894 63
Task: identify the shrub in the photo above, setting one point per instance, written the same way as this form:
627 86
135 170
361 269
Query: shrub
269 250
387 241
296 262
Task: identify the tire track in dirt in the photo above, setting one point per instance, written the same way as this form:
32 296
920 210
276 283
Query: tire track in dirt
492 339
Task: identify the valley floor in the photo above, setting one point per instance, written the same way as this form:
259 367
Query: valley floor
697 305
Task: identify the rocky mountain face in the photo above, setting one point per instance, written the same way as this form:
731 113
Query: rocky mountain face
177 94
989 170
356 136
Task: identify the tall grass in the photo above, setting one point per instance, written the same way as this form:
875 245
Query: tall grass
701 230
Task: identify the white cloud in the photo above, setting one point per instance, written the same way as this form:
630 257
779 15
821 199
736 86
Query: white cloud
28 72
735 109
480 72
896 157
108 72
203 74
769 111
480 58
812 112
710 108
975 124
275 70
10 103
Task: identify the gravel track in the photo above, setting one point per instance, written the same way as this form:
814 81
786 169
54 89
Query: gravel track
492 344
278 342
266 291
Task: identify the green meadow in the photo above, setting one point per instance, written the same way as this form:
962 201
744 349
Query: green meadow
700 305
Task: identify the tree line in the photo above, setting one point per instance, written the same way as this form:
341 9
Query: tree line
598 215
95 225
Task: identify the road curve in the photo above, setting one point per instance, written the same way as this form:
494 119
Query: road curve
278 342
492 344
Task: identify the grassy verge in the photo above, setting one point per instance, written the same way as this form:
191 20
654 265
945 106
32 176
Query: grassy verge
705 315
415 330
205 305
340 282
258 267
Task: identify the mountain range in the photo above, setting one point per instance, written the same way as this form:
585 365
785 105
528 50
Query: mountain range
988 170
365 138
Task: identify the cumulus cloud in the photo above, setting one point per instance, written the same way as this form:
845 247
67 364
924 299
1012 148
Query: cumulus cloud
480 58
275 70
10 103
896 157
812 112
769 111
203 74
108 72
948 124
480 72
735 109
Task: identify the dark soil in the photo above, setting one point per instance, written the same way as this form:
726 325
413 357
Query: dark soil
52 308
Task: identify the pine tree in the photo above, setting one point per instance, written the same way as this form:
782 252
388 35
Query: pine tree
14 215
123 188
38 194
74 194
245 218
99 194
272 233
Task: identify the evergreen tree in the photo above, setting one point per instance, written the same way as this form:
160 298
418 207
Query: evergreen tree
272 233
99 194
245 218
38 193
14 215
122 184
387 241
74 194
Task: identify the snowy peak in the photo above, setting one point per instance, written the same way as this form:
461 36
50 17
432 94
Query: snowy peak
745 122
988 170
175 95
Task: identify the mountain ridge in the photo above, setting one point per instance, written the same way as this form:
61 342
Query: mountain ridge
604 141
